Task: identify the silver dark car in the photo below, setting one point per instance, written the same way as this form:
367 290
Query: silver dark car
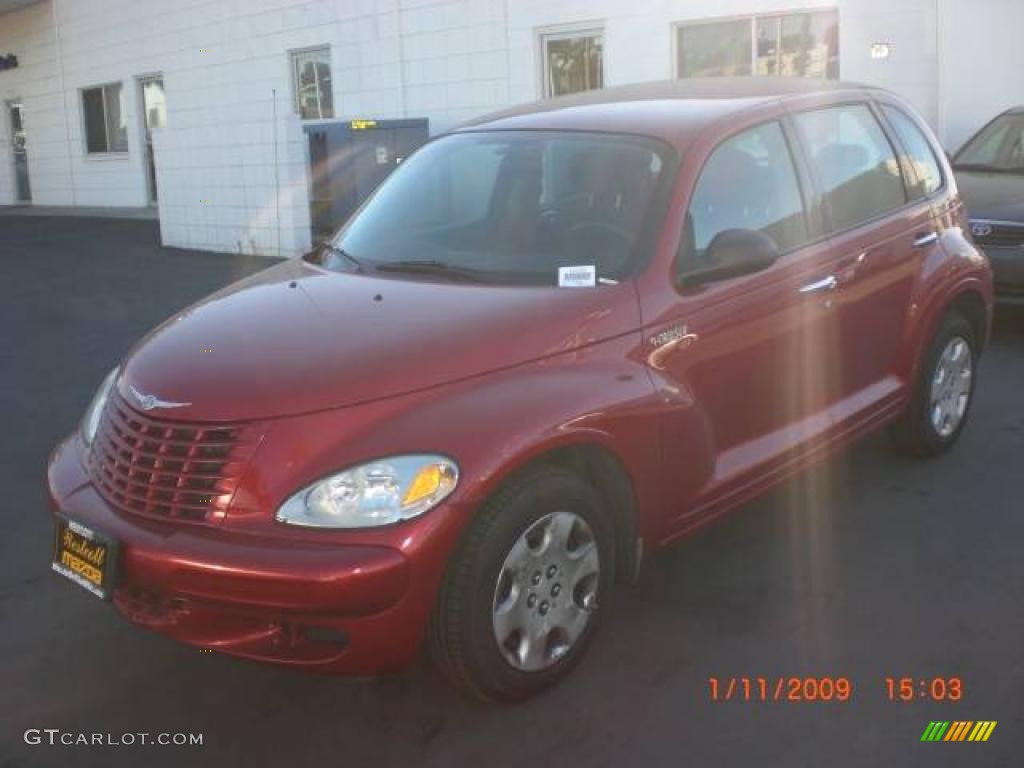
990 173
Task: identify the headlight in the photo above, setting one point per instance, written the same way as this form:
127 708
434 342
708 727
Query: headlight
91 420
377 493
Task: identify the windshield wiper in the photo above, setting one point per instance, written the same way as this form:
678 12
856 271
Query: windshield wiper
431 267
336 251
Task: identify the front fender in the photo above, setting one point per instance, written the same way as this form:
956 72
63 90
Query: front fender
491 425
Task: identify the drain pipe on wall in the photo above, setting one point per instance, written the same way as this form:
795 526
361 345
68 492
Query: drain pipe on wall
940 76
277 179
404 91
63 98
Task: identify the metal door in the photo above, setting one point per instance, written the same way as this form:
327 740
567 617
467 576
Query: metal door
23 188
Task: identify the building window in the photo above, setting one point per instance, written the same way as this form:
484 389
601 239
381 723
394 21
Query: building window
573 62
789 45
312 72
716 49
106 129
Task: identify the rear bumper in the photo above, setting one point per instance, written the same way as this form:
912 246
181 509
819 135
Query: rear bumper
340 609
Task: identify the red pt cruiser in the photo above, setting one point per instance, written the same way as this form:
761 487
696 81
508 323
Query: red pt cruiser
552 341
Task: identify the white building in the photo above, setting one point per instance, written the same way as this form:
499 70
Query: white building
228 85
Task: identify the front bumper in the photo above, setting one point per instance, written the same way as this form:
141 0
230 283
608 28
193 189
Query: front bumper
353 609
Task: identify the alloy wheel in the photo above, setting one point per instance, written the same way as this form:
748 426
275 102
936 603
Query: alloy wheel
546 592
951 386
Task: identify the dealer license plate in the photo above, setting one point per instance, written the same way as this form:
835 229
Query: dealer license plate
85 556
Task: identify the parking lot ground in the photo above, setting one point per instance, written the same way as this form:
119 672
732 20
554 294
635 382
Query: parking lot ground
867 567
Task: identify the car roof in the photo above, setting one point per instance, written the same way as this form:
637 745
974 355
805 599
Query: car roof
672 110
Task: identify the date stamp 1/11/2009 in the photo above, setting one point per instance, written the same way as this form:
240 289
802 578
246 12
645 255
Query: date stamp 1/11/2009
799 689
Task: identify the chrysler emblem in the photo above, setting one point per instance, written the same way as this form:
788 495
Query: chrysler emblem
149 402
979 229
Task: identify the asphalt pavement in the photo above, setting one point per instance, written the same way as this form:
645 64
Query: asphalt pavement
871 566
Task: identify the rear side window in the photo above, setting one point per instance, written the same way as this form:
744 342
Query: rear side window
854 162
919 152
748 182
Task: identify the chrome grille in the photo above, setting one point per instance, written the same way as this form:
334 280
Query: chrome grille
168 470
997 234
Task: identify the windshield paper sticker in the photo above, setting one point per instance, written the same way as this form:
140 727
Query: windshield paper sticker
577 277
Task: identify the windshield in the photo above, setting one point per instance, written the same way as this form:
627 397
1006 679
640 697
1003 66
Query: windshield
999 146
513 207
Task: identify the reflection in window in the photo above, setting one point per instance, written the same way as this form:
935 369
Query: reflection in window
718 49
799 45
514 206
919 152
573 63
790 45
854 162
104 118
312 71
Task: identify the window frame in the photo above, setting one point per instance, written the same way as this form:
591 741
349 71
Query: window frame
909 172
293 75
107 153
545 35
752 18
830 230
810 197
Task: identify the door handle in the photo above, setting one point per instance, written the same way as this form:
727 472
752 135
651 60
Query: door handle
829 283
926 239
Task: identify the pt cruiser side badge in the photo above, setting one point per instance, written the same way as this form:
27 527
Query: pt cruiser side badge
672 335
665 343
149 402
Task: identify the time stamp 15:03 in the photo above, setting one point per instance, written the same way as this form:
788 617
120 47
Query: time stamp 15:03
828 689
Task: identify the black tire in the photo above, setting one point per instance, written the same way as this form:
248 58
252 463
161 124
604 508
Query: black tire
914 433
461 638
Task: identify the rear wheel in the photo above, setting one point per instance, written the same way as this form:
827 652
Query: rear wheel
944 391
523 595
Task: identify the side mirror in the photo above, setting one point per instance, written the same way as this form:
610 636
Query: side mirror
735 252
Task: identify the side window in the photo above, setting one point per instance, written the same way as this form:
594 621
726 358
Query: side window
748 183
854 163
919 152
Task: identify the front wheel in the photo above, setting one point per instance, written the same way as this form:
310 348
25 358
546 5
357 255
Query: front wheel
523 595
944 391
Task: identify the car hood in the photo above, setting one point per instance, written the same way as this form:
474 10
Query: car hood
295 339
998 196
